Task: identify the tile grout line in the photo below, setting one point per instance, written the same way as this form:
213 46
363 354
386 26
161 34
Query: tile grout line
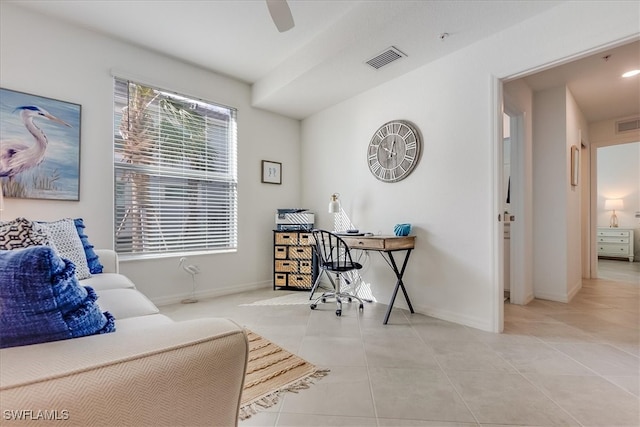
517 371
455 389
597 374
366 365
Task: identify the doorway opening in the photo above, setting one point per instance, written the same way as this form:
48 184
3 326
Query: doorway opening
617 185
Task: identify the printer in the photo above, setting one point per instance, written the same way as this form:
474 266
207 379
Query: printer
294 219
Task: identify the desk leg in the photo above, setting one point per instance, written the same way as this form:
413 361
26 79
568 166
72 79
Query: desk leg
399 284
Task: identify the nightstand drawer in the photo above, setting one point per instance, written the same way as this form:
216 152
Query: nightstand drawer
613 233
624 240
613 249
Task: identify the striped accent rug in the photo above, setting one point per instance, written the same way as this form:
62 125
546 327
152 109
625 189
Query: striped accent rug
271 371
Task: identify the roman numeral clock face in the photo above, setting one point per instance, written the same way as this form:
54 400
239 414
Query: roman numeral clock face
394 151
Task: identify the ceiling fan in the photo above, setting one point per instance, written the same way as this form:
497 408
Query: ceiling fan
281 14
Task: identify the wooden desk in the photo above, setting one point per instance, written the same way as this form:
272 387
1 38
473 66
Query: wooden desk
387 245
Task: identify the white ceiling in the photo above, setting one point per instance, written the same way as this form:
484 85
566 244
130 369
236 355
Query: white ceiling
597 84
321 61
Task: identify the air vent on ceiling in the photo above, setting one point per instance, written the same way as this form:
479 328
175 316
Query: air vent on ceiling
388 56
628 125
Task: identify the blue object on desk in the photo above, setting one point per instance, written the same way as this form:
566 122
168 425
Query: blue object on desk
402 229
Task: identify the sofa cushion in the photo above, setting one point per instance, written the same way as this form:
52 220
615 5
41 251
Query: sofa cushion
125 303
92 258
20 233
41 300
64 235
102 281
143 322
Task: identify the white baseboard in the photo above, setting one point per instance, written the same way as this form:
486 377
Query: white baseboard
212 293
565 298
575 289
470 321
449 316
552 296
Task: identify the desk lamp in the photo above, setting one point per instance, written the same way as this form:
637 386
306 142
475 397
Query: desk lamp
334 204
335 208
612 205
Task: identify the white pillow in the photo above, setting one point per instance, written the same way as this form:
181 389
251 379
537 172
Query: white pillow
67 243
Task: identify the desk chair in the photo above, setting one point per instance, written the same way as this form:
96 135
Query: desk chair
334 257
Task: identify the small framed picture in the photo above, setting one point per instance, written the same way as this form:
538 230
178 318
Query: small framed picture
271 172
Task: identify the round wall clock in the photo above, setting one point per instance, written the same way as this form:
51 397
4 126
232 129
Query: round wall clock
394 150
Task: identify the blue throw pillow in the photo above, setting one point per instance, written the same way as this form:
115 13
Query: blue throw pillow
92 259
41 300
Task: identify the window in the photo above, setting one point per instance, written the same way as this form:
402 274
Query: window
175 173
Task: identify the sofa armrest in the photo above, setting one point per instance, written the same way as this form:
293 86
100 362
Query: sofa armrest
181 373
109 260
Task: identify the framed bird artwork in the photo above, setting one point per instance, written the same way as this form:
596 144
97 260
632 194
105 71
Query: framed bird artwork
39 147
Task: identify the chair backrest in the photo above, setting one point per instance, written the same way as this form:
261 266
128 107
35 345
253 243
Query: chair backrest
333 251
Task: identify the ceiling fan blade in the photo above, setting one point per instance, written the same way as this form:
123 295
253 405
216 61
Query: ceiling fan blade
281 14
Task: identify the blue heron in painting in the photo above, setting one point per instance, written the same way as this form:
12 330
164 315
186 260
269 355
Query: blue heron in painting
17 156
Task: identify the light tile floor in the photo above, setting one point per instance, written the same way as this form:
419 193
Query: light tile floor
556 364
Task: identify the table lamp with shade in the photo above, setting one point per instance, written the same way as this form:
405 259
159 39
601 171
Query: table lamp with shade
613 205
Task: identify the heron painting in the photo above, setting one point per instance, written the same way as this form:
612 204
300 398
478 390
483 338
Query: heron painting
39 147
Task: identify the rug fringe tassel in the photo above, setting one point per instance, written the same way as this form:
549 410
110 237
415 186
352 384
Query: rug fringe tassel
273 398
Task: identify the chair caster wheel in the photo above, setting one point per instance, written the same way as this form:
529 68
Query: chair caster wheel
361 307
313 306
323 300
338 312
350 300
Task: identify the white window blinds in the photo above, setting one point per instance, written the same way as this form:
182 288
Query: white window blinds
175 172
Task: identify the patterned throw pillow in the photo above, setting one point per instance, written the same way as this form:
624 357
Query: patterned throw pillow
41 300
64 236
20 233
92 258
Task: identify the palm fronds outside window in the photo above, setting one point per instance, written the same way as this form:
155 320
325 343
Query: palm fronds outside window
175 171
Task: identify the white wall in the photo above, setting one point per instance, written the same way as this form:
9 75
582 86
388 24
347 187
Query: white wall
550 245
46 57
451 196
577 130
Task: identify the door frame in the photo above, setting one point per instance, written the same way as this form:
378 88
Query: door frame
518 161
521 244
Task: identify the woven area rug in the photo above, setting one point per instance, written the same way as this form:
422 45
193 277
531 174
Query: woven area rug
271 371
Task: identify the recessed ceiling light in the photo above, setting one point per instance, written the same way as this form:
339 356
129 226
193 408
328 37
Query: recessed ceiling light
631 73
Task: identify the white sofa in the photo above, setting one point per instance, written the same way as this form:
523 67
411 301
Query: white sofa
150 371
